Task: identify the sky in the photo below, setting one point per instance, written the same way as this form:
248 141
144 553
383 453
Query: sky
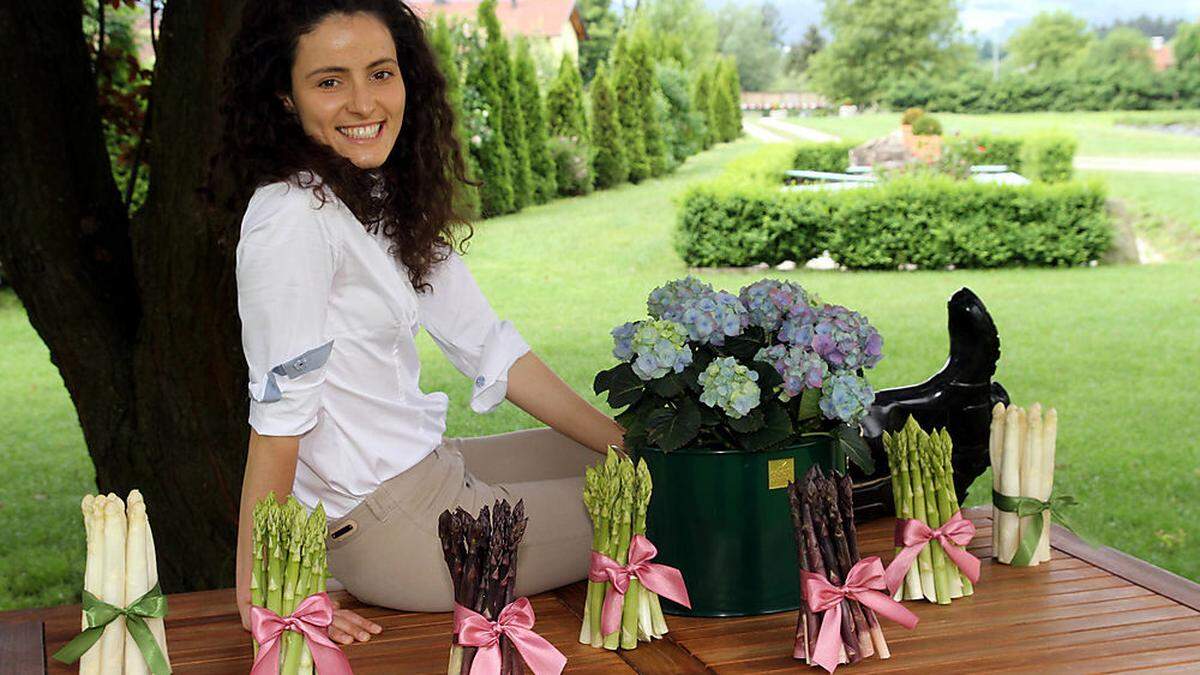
999 18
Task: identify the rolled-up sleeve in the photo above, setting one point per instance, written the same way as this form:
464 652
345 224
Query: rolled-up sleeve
286 259
463 325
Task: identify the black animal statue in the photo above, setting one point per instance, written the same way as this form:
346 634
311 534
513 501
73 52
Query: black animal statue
959 397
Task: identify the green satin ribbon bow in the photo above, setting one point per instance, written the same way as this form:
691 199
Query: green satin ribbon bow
98 614
1025 507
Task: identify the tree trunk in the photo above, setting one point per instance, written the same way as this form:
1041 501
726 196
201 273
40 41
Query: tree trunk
139 315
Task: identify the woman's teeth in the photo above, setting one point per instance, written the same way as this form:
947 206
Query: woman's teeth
363 132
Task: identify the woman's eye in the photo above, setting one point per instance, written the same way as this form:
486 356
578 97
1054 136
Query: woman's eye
383 75
327 84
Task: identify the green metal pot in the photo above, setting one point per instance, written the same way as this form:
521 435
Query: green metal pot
722 517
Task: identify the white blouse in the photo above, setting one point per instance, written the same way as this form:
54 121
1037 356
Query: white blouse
329 320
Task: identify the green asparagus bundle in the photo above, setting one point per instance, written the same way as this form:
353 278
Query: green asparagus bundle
617 496
289 565
923 487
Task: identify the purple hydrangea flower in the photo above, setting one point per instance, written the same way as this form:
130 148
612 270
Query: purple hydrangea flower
800 368
769 302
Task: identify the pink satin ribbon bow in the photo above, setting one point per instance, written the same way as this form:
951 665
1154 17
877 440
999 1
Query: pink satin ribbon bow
863 584
515 622
311 619
914 535
661 579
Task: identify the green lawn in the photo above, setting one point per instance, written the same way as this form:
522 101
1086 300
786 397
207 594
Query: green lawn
1113 348
1165 207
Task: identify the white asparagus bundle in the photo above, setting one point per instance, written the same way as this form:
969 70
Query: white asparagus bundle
113 588
1049 440
93 574
1022 446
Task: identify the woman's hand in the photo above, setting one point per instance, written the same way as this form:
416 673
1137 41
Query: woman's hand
348 626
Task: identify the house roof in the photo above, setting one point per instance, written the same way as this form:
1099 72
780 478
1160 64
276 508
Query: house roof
531 18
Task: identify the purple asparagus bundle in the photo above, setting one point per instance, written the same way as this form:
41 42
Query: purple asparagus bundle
481 555
827 546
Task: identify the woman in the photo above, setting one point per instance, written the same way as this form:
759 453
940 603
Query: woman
336 119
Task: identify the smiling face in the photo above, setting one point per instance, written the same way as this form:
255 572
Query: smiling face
346 87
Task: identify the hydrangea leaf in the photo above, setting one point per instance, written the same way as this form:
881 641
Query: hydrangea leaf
777 428
850 441
625 387
749 423
671 429
667 386
810 404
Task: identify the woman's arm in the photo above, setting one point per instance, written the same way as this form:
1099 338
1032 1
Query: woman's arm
537 390
271 467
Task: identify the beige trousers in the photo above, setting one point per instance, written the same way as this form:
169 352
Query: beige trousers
387 552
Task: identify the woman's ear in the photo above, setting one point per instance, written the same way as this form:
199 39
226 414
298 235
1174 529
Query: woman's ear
288 105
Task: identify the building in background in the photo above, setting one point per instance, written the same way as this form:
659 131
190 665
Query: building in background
1161 53
553 27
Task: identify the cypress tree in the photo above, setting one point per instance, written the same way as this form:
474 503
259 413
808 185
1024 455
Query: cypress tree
650 113
482 100
629 111
609 161
702 96
512 120
443 46
729 80
541 163
564 103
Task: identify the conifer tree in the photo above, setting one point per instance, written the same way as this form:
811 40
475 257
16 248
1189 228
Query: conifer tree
609 161
482 103
499 62
564 103
728 79
702 96
627 92
541 163
650 115
443 45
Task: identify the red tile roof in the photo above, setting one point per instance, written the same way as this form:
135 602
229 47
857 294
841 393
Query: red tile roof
532 18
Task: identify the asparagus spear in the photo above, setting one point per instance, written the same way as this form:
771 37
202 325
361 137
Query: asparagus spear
479 536
1010 483
113 588
606 495
896 448
450 533
293 533
841 552
845 502
1049 440
941 578
622 517
805 619
275 554
1031 466
911 435
935 459
92 508
996 450
947 447
136 577
314 561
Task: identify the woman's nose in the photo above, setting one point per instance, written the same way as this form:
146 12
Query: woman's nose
362 101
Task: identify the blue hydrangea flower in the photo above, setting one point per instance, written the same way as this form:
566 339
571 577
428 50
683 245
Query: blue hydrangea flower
846 396
655 348
797 327
769 302
730 386
623 340
711 319
845 339
800 368
670 300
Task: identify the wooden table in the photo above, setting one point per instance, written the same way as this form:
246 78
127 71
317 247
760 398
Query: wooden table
1087 610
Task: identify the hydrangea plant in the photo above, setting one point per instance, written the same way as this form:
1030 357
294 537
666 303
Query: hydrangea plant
753 371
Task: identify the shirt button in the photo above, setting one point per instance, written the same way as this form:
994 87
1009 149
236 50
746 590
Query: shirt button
300 363
480 381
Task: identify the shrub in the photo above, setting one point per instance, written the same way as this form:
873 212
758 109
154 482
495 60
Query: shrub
987 149
926 125
1048 157
911 115
574 167
928 221
832 157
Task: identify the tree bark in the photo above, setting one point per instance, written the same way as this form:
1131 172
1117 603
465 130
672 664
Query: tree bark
139 314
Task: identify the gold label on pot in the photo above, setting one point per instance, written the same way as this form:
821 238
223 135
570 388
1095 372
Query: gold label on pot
780 472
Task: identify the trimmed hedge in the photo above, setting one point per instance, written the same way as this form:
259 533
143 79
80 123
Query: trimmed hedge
1047 157
930 222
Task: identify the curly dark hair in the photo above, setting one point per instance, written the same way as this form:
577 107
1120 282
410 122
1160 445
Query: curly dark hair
262 143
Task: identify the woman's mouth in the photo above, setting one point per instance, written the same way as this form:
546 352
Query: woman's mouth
362 133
